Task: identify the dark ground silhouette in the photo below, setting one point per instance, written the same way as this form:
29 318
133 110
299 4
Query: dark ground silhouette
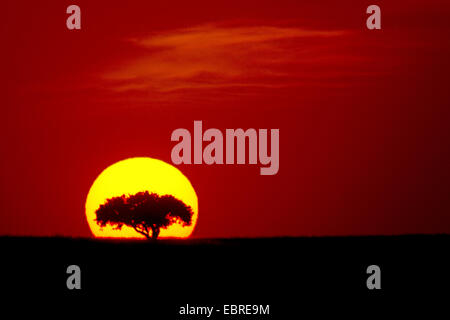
284 272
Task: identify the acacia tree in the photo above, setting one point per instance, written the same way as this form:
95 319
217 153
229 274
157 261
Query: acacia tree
145 212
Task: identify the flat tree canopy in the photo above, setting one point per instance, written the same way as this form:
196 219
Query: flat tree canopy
145 212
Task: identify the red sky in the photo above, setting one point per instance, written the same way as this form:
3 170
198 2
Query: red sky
363 115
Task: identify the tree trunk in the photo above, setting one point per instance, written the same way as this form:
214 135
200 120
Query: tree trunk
155 232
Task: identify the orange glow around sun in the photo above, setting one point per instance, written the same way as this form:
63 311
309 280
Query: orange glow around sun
133 175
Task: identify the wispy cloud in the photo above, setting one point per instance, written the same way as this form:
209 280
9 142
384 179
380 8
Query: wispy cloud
212 56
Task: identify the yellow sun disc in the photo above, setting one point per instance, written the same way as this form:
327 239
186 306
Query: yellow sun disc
133 175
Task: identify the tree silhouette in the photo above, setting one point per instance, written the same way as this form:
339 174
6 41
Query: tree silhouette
146 212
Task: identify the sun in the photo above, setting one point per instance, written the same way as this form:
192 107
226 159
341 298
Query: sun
133 175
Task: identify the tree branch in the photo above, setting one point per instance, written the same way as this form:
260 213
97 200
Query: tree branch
141 231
